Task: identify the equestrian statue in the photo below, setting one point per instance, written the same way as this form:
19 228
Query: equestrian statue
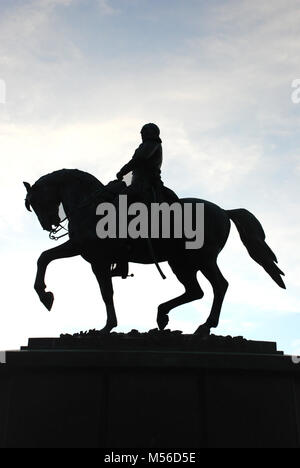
81 195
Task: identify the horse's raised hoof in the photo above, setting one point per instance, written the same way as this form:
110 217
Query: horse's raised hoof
203 331
162 321
47 299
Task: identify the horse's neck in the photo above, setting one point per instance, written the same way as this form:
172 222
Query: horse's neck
74 190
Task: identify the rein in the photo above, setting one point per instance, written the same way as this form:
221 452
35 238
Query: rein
59 228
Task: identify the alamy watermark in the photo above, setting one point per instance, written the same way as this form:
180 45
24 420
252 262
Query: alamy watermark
155 221
2 91
295 96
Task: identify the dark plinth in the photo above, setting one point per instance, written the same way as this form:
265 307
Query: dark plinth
149 391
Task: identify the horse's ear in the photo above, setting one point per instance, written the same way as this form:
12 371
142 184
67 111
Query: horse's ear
27 186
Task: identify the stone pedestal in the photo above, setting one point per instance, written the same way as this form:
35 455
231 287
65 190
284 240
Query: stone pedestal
137 395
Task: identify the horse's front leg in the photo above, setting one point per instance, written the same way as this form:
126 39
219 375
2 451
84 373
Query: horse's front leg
103 275
65 250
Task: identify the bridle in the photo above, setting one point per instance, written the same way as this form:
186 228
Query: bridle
56 230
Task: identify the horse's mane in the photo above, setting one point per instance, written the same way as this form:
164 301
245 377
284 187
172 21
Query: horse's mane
84 177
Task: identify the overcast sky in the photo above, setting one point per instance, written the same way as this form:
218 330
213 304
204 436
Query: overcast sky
78 80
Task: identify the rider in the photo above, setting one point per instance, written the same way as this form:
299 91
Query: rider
146 184
145 163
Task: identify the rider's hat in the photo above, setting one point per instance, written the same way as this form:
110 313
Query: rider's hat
150 131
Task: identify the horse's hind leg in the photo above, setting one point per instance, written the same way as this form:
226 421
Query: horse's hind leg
219 284
192 292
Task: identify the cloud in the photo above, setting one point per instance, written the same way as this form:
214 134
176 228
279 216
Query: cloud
106 7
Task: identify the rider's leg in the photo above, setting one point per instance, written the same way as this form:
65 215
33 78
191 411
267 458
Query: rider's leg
121 268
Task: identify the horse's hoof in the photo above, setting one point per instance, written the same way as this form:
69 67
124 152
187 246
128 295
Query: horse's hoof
47 299
203 331
104 331
162 321
108 328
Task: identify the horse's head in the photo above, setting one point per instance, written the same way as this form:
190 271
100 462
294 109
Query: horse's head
44 200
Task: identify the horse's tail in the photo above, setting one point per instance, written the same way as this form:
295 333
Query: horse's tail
253 237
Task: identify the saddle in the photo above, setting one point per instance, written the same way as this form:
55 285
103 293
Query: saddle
157 193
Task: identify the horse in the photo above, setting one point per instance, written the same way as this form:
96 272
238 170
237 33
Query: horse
74 190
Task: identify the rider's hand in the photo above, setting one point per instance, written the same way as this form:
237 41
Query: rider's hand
119 176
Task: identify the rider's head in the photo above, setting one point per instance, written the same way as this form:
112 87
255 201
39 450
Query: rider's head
150 131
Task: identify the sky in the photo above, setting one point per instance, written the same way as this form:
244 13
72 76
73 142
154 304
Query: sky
79 78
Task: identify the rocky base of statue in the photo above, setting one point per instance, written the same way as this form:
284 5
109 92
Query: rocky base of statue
153 340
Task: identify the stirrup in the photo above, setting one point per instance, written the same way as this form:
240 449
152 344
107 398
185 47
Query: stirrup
120 269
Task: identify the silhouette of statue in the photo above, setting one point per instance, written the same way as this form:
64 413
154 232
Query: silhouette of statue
70 186
146 184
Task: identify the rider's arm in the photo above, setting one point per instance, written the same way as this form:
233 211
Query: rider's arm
144 152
